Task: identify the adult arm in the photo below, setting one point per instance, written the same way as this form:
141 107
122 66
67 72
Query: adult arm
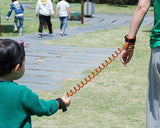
138 16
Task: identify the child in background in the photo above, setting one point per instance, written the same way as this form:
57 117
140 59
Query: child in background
64 15
17 102
45 10
19 16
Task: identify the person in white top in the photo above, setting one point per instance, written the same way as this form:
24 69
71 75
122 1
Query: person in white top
64 15
44 9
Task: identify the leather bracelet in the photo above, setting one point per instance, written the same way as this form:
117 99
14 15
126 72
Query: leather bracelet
61 104
129 43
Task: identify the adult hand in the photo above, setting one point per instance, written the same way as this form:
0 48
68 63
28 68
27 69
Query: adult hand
126 56
66 100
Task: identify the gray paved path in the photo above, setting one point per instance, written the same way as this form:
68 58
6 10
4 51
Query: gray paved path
47 65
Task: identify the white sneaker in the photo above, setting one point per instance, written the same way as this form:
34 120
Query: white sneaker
15 30
61 33
21 34
40 35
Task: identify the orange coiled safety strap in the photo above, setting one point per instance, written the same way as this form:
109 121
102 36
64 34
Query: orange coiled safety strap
95 74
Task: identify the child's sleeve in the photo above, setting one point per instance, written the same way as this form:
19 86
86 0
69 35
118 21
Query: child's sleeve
58 5
37 8
51 8
10 11
35 106
67 5
22 6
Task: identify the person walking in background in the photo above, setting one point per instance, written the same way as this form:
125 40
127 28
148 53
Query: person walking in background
17 102
153 92
44 9
64 15
19 15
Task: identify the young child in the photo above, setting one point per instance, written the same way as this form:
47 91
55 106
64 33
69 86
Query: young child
64 15
19 16
17 102
45 10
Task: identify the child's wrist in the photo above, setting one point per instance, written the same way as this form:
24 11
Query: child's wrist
61 104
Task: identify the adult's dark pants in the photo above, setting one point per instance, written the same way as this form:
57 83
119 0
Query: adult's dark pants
42 20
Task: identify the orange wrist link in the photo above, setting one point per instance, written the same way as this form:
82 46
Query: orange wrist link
129 43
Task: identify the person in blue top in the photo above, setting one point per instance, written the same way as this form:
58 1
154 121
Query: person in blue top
19 15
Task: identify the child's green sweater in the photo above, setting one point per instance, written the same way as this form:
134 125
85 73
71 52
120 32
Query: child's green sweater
18 104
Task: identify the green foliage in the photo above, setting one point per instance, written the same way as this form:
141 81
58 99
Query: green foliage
122 2
76 16
119 2
74 1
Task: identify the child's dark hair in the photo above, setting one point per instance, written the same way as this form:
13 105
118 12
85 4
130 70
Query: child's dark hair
11 54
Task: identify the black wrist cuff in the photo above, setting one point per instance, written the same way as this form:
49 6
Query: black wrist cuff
132 40
129 43
61 104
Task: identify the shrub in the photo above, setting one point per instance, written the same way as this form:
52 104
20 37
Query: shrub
120 2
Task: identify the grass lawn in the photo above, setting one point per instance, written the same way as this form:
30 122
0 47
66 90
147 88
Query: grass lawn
116 98
31 25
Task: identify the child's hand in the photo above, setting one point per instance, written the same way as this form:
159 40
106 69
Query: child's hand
57 17
63 102
69 17
66 100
